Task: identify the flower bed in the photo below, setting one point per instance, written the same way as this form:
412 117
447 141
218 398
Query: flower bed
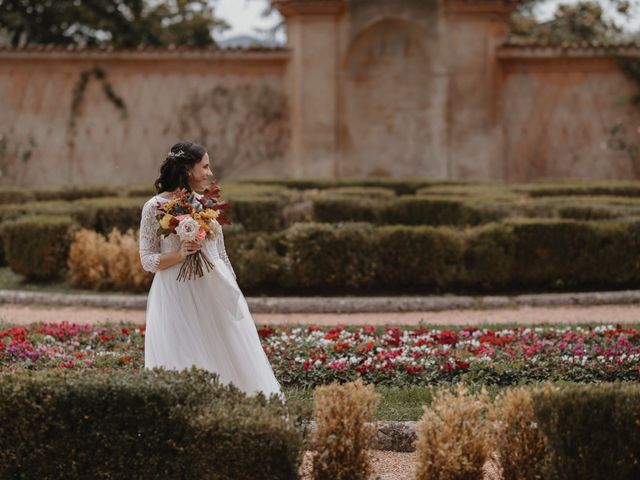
309 356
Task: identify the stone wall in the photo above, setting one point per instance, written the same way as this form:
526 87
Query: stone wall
393 91
232 102
558 109
377 88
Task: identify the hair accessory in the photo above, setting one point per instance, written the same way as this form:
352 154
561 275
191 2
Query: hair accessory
179 153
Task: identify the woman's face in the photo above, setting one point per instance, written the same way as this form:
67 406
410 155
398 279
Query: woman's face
200 174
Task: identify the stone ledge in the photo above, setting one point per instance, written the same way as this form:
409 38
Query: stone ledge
342 304
391 436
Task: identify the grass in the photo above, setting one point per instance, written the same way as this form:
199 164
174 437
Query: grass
396 404
12 281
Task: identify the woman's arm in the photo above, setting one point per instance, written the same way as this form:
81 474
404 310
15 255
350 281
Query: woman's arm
169 259
223 252
150 256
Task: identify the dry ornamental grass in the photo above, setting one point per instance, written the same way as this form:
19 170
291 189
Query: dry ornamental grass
521 445
342 437
96 262
454 439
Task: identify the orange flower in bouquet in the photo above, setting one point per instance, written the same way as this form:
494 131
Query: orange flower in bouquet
190 218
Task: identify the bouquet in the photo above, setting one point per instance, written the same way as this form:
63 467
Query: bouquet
190 218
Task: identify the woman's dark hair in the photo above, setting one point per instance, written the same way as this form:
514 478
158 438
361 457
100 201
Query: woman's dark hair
173 172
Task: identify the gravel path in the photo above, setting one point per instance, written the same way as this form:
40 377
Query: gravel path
23 314
386 465
396 466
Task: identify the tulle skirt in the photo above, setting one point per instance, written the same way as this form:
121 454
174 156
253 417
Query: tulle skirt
206 322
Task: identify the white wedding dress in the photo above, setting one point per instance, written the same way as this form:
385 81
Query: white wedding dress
203 322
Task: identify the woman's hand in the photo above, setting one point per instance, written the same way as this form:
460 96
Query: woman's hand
189 247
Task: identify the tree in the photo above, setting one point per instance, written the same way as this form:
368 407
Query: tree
583 21
118 23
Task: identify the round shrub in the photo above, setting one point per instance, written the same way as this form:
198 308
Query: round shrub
37 246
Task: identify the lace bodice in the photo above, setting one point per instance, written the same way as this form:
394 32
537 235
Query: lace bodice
152 244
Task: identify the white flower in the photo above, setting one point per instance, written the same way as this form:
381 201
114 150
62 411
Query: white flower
187 229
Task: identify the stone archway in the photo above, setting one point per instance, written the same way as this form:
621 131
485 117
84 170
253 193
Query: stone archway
392 120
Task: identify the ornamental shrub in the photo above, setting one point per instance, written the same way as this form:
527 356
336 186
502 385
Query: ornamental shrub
593 431
37 246
454 440
342 438
156 423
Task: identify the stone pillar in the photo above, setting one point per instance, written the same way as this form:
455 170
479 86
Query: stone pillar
312 76
475 29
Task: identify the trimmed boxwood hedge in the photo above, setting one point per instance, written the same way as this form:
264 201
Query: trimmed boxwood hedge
399 185
332 256
418 258
38 246
148 424
353 257
75 192
593 431
15 195
105 214
257 213
519 254
407 210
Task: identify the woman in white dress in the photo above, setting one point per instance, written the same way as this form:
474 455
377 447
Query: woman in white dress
205 321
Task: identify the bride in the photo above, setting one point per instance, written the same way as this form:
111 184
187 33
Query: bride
203 322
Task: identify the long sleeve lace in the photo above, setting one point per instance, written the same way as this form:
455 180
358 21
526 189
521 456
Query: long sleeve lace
223 252
149 239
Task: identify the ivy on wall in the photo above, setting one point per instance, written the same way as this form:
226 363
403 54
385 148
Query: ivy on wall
242 126
13 152
80 87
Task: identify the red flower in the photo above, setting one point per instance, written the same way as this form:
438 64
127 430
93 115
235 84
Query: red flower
366 348
447 337
266 332
369 330
462 364
340 346
334 333
411 369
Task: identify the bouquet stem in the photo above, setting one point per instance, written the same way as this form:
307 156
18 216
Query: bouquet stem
192 267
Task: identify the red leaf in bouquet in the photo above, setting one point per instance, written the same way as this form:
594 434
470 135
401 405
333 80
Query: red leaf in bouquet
213 191
222 216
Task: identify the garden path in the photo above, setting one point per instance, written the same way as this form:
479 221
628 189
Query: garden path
23 314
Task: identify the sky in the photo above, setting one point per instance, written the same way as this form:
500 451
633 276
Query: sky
245 15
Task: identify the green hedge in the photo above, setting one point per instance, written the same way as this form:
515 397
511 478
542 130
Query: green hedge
436 210
519 254
332 256
158 423
334 209
257 213
578 187
38 246
105 214
418 258
593 431
516 255
399 185
256 259
407 210
74 192
54 207
564 254
15 195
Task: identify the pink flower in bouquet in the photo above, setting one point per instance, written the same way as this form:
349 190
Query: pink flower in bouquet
188 228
